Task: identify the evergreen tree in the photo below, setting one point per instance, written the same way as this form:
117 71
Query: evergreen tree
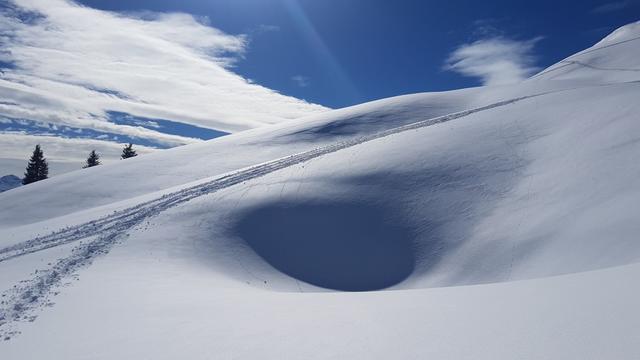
37 169
92 160
128 152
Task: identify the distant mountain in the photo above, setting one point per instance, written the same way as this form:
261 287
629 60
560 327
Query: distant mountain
9 182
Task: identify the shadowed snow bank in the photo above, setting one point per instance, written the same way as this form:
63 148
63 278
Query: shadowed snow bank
340 246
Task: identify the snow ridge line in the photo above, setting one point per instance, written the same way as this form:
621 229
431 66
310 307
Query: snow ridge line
19 302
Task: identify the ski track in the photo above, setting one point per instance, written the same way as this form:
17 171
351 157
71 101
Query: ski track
20 302
567 62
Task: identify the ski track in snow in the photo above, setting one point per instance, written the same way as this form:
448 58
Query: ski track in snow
568 62
20 302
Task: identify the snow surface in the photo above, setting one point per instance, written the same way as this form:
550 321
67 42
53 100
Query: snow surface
485 223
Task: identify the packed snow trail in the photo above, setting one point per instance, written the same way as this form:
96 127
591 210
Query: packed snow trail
19 302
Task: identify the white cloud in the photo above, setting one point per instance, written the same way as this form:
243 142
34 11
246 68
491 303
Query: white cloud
610 7
72 64
495 61
301 81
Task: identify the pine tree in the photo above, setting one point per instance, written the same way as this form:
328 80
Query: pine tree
37 169
92 160
128 152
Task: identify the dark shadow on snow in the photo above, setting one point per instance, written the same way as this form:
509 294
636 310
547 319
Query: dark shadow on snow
340 246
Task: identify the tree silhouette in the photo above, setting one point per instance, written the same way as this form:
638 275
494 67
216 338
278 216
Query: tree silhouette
92 160
37 169
128 152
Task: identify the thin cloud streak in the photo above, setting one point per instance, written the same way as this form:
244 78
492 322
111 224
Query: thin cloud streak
610 7
300 80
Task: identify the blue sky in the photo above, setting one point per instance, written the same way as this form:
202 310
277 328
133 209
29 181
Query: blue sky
162 73
375 49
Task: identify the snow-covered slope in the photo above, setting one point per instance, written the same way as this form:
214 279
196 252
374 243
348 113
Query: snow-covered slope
613 59
242 247
177 166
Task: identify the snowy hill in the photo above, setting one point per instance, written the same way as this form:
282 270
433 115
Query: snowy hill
9 182
503 218
613 59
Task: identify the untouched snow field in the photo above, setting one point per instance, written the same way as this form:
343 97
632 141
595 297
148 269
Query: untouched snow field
485 223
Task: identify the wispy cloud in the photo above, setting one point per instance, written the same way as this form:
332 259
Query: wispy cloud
495 61
610 7
264 28
301 81
71 65
487 27
68 68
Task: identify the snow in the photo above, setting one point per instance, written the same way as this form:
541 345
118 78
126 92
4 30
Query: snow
613 59
485 223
